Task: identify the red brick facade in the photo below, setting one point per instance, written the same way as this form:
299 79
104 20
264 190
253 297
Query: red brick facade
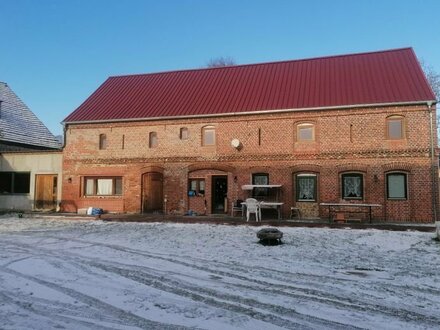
346 141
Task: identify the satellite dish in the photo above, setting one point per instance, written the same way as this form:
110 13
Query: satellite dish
235 143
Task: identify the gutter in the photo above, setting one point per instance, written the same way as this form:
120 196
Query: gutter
434 163
244 113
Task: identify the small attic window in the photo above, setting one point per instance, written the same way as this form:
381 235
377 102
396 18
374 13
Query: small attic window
184 133
102 141
208 136
305 132
395 127
153 142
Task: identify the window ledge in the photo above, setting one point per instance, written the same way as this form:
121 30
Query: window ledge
103 197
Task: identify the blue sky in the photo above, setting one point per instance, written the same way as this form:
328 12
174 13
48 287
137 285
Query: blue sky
55 53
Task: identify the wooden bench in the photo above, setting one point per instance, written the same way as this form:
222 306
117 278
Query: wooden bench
339 217
345 217
339 210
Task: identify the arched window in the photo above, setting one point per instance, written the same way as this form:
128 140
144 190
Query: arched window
208 136
102 141
397 185
152 142
184 133
395 127
305 132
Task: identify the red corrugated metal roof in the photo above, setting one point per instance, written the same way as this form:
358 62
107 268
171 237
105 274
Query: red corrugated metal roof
392 76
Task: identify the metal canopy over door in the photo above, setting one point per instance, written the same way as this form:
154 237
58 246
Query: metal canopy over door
46 191
219 193
152 192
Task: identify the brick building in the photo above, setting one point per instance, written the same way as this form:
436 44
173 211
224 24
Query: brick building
356 128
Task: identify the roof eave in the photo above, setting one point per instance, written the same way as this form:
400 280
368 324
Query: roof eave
433 102
52 147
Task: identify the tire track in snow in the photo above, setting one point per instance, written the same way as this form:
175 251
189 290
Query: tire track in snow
270 313
53 314
236 303
282 275
106 309
324 297
344 301
138 273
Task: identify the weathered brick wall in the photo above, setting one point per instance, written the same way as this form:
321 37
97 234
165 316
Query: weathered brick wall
346 140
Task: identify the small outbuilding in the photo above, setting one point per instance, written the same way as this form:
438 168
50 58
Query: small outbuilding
30 158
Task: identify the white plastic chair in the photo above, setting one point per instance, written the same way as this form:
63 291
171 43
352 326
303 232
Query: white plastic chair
237 207
252 206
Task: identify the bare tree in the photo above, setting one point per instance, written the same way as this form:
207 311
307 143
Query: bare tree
220 61
433 78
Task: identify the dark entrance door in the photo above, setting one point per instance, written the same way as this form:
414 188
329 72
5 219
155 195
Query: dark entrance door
219 192
152 192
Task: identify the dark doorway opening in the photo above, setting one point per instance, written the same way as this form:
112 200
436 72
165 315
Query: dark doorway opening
219 193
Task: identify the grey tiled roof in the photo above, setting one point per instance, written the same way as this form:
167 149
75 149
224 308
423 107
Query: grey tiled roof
18 124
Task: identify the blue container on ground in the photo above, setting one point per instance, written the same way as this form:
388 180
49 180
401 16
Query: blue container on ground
97 211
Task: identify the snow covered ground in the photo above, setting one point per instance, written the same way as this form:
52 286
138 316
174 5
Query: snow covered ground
58 274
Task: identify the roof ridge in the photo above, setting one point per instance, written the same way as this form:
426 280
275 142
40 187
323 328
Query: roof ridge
262 63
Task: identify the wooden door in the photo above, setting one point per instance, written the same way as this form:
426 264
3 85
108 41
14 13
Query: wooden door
46 191
152 192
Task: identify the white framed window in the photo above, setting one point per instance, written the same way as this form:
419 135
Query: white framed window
102 186
306 187
196 187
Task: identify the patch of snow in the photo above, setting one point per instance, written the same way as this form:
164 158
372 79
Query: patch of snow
100 275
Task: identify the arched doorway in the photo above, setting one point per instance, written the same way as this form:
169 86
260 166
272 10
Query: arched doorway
210 188
152 192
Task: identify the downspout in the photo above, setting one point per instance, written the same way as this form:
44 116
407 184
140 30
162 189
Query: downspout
434 171
64 135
